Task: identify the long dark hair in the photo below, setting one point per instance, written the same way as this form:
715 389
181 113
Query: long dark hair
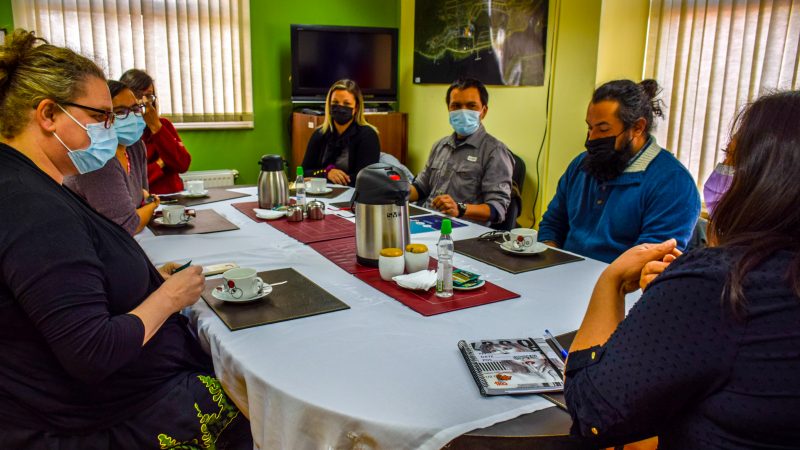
760 212
636 100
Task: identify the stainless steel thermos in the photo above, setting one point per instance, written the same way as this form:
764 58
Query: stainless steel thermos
273 187
381 209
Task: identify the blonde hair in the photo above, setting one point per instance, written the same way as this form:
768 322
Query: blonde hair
351 87
32 70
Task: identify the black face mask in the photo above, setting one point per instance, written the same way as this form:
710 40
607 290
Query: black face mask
341 114
603 161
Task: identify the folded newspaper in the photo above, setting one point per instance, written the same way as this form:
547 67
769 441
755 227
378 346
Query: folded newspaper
514 366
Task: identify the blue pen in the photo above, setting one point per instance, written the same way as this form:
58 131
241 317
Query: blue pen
550 336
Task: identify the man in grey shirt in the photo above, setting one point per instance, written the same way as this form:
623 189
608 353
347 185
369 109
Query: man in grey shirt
468 174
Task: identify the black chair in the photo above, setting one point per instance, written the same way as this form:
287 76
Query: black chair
515 207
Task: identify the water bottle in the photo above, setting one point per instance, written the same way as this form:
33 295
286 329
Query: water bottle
300 188
444 270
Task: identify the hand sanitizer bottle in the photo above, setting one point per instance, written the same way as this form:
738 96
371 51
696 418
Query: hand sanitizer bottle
444 270
300 188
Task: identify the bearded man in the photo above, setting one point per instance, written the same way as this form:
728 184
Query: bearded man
625 189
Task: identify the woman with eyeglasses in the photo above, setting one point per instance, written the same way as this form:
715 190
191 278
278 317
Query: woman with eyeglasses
119 189
95 351
167 157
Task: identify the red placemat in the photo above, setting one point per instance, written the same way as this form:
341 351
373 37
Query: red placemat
342 252
246 208
308 231
428 304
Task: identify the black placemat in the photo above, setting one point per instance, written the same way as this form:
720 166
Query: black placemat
299 297
214 195
205 221
488 251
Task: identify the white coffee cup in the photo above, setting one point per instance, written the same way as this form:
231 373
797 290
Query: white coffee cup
242 282
417 258
520 238
317 184
194 187
391 263
174 214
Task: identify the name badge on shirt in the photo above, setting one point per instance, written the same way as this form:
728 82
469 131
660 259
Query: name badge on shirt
472 158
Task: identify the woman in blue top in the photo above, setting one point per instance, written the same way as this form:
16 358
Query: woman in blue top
709 357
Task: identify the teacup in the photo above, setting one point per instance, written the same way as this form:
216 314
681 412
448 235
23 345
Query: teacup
242 282
416 257
316 184
391 263
174 214
194 187
520 239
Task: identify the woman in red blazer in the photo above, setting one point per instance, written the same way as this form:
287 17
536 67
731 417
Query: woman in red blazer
166 155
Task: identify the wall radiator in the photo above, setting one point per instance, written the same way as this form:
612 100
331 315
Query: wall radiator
212 178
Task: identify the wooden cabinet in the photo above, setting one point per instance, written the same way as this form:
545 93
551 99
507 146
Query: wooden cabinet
392 132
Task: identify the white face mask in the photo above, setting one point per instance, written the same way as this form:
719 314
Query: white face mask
102 146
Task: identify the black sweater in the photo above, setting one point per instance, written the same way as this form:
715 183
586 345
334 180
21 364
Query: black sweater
73 359
361 142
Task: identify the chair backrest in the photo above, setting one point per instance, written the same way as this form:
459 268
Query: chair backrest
515 207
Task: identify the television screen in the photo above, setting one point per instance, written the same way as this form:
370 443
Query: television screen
321 55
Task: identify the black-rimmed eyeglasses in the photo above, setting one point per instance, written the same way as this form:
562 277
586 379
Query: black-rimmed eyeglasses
108 116
123 112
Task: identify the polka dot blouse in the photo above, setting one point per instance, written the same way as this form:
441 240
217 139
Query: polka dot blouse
682 367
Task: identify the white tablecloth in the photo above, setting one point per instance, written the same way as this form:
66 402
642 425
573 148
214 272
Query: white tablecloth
377 375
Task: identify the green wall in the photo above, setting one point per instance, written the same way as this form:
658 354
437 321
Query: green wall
6 16
517 115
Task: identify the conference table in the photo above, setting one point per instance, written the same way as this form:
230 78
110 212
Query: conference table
376 375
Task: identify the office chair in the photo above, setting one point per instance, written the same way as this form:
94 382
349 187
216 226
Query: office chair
515 207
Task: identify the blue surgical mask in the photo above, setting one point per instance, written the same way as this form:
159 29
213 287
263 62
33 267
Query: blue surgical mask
716 186
102 146
465 121
129 129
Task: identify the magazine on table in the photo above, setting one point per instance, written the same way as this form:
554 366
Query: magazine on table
514 366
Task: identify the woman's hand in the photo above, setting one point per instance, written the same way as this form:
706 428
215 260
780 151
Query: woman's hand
182 289
654 268
167 269
151 117
337 176
626 270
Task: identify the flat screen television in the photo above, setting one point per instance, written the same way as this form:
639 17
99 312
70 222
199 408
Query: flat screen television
321 55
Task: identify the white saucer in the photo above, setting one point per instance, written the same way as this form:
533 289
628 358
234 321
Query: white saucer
327 190
160 222
219 294
535 249
268 214
477 286
203 193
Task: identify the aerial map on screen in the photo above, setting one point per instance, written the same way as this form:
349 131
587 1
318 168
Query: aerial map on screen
499 42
